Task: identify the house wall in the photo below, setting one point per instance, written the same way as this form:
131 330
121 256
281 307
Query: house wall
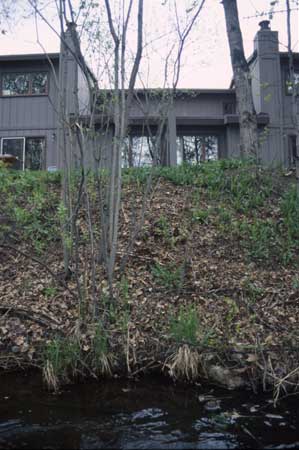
31 116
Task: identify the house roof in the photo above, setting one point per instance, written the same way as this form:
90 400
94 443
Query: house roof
29 57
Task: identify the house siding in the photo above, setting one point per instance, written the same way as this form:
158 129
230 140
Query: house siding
31 116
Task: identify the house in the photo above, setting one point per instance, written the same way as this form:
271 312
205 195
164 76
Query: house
199 124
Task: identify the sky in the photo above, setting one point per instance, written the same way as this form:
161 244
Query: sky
206 60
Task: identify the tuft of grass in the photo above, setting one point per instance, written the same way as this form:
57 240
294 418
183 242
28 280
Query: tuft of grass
50 291
61 358
185 327
201 215
184 364
168 276
252 291
100 360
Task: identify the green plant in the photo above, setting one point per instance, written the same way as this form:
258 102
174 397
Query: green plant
185 327
295 282
61 360
260 239
168 276
162 227
50 291
201 215
100 360
252 291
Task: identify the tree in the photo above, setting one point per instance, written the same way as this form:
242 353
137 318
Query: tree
294 90
242 80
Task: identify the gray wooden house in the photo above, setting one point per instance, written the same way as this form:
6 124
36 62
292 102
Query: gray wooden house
201 124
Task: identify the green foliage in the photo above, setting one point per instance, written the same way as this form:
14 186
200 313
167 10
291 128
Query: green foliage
50 291
185 327
253 292
168 276
259 238
201 215
290 214
137 175
162 228
29 200
224 217
63 356
268 239
98 357
295 282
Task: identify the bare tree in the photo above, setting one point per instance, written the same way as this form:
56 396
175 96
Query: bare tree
122 99
242 80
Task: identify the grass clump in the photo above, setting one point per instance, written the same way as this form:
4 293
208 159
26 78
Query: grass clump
62 357
168 276
100 360
184 364
185 327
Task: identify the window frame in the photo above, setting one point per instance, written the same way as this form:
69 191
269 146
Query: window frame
15 138
30 73
24 138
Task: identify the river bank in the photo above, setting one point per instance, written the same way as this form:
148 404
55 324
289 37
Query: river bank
210 289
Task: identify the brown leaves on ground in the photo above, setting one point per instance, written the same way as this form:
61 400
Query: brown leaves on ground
244 305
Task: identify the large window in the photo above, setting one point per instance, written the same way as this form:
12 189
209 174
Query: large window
29 152
196 149
33 83
138 152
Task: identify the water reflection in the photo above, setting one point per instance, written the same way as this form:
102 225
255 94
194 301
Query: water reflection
150 414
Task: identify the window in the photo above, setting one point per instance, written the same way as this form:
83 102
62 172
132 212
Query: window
35 83
14 147
196 149
34 153
30 152
138 152
289 87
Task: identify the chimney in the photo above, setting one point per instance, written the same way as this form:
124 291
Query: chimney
265 25
266 40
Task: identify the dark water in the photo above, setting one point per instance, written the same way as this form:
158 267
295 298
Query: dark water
146 415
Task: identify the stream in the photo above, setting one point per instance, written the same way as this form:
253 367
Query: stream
150 414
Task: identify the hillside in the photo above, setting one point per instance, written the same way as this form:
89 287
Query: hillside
210 289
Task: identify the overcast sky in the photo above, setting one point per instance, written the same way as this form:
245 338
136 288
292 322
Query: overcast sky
206 62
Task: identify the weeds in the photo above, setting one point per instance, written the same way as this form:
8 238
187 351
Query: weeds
201 215
61 361
50 291
184 364
252 291
99 357
185 327
163 229
168 276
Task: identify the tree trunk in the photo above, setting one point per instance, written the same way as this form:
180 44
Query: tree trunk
295 120
242 80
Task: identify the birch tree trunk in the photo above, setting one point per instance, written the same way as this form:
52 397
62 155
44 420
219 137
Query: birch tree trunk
242 79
